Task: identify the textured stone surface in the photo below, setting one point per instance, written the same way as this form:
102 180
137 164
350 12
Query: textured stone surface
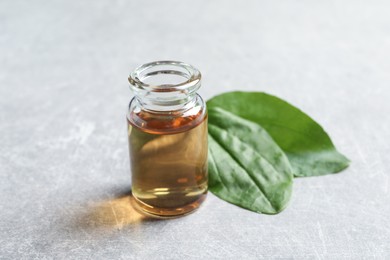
63 151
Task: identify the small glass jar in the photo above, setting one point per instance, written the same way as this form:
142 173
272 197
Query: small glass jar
167 132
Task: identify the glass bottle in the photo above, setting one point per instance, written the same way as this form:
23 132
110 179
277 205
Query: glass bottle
167 132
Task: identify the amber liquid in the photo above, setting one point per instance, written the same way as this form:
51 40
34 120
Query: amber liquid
168 164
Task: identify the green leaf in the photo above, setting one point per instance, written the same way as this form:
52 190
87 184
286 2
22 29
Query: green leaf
308 147
246 167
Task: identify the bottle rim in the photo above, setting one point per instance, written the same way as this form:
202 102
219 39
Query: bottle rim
192 77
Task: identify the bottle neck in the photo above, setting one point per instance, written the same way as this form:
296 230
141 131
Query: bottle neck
165 105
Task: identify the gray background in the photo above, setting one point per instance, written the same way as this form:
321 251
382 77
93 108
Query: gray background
63 98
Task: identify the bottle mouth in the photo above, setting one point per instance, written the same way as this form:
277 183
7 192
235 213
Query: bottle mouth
165 76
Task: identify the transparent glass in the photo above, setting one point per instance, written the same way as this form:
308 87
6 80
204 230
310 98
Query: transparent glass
167 132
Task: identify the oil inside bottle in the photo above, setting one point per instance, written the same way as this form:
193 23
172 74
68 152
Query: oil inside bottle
168 163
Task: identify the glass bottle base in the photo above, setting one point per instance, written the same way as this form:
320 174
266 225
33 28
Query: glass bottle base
166 213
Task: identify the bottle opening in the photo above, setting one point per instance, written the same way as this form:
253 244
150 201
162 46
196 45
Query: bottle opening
169 75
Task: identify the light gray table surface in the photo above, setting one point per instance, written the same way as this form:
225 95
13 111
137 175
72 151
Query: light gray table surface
64 163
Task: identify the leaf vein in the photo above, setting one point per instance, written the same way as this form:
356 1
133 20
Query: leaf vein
257 184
